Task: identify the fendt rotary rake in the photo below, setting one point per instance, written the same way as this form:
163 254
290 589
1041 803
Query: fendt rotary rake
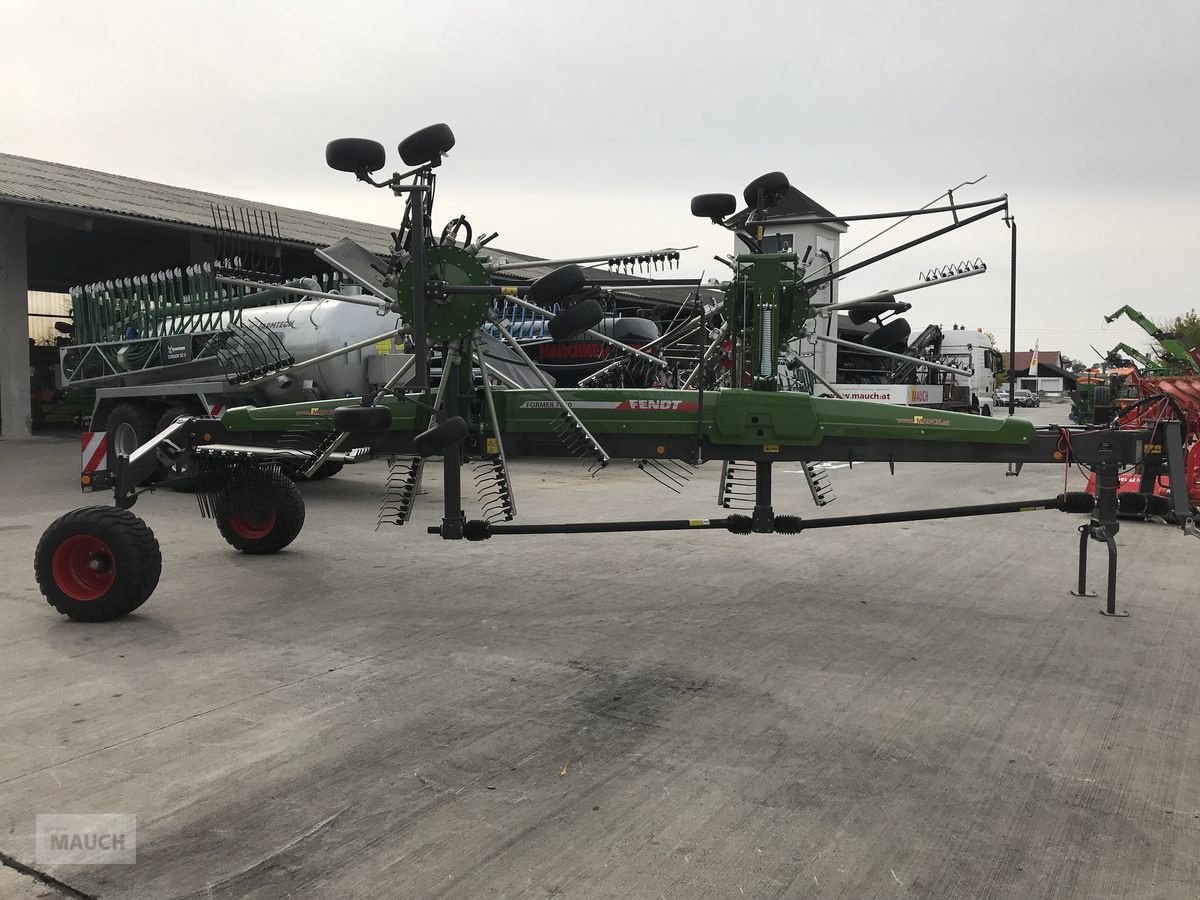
463 401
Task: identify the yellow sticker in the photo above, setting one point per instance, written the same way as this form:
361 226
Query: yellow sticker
492 446
696 523
760 232
770 448
383 347
508 291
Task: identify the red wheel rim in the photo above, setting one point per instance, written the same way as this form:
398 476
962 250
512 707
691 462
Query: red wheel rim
253 526
83 567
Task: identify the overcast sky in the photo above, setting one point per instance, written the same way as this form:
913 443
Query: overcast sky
587 127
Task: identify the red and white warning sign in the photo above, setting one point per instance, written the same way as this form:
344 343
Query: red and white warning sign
94 451
216 410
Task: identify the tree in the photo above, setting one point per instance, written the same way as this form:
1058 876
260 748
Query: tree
1073 366
1186 327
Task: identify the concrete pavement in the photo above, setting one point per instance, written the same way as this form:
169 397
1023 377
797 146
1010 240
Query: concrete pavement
890 711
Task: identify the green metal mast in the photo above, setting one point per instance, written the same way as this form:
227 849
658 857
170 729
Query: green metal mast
1173 344
1150 366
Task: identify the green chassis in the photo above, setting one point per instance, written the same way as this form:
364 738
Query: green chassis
726 424
739 424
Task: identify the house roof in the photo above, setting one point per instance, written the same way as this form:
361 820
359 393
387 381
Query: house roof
794 203
1045 357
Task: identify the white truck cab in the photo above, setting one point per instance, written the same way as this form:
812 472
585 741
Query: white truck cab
973 348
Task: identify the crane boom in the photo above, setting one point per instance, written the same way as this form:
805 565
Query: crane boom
1151 367
1175 346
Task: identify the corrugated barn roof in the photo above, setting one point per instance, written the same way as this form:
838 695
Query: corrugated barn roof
41 182
49 184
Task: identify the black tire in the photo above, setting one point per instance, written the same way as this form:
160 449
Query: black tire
891 333
714 206
664 314
140 417
355 419
773 186
183 467
327 469
426 145
260 512
441 436
1102 396
552 287
355 155
576 319
97 563
862 313
986 411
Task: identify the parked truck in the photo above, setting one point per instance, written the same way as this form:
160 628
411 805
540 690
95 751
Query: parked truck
918 377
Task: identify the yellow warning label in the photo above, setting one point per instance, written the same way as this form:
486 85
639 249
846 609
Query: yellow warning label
492 446
770 448
383 347
696 523
508 291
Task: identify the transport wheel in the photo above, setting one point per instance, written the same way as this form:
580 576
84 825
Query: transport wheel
862 313
773 186
664 314
553 286
439 437
97 563
261 512
985 410
426 145
714 206
892 332
328 469
355 155
183 468
576 319
356 419
129 426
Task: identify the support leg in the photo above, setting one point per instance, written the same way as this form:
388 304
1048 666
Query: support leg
1085 532
764 516
1111 609
453 518
1104 525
